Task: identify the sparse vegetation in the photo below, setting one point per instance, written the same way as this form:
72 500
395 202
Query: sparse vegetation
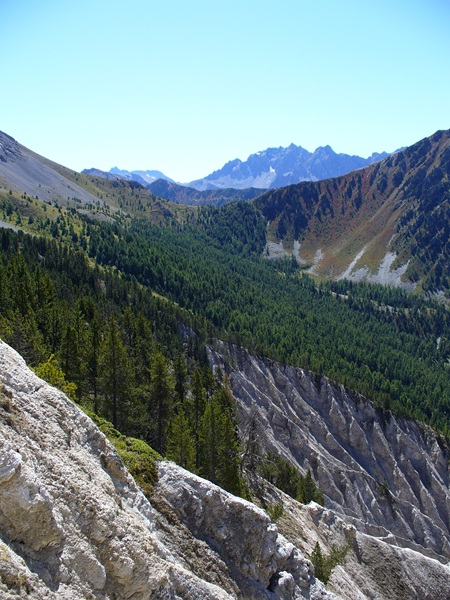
325 563
138 457
276 511
287 478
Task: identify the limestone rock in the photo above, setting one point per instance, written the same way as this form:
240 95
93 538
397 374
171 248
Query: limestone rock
251 547
384 477
74 524
387 475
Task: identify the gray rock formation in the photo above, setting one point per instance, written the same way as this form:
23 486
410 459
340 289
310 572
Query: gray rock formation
279 167
373 568
388 476
74 525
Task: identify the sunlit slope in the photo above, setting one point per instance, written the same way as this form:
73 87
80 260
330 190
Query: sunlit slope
26 173
388 222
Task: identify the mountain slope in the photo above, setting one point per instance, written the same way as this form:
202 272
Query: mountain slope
277 167
28 176
74 524
387 476
388 222
26 172
188 195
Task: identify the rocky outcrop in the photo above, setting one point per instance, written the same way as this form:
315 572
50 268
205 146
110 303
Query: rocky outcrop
388 476
74 524
254 553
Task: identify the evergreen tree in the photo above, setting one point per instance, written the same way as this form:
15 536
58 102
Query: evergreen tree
180 443
161 400
252 453
180 376
25 337
70 357
308 490
195 409
20 287
220 449
116 375
209 436
321 570
93 359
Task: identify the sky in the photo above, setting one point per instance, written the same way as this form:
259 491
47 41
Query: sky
184 86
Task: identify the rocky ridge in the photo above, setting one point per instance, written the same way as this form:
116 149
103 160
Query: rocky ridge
387 222
373 568
73 523
279 167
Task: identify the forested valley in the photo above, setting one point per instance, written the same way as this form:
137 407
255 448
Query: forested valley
118 314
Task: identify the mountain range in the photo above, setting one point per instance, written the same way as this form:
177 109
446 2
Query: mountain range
271 168
189 195
140 176
278 167
387 222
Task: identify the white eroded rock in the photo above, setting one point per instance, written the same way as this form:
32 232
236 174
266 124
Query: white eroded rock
74 525
242 534
386 475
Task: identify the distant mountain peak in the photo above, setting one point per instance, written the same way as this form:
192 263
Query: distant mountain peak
279 167
142 176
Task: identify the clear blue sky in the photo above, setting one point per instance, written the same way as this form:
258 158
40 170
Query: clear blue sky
184 86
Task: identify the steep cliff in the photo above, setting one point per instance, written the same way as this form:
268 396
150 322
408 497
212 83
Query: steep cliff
73 523
388 477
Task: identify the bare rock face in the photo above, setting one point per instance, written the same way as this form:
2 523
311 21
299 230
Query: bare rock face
261 561
9 148
388 476
74 525
372 567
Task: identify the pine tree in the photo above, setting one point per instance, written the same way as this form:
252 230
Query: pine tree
308 490
70 358
180 443
252 453
20 287
180 376
220 449
116 375
195 409
321 570
161 400
93 359
209 439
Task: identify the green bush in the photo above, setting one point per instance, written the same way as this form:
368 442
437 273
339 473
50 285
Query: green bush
138 457
325 563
